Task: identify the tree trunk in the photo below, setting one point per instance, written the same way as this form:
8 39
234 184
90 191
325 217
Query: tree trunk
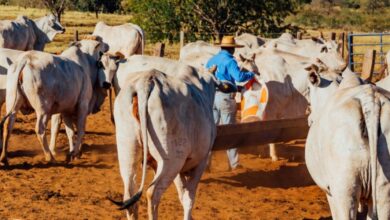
97 13
59 14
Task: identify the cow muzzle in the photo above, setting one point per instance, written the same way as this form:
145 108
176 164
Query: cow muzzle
106 85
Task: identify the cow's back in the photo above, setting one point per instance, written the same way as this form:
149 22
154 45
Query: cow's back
57 80
18 34
140 63
177 109
125 38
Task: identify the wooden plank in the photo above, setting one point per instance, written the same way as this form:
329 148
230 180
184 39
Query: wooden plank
260 132
368 65
159 50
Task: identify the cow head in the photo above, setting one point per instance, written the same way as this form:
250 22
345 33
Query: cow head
323 83
248 63
92 45
50 26
109 64
333 60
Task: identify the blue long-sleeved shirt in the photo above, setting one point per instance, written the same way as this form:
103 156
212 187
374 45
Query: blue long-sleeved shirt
227 68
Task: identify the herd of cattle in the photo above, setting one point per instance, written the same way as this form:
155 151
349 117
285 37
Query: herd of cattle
163 108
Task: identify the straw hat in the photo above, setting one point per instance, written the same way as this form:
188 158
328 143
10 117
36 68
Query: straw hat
228 41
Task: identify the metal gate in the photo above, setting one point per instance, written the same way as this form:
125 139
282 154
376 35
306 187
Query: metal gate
359 43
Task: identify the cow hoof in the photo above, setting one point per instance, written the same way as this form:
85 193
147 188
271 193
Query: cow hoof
274 159
49 158
4 163
69 157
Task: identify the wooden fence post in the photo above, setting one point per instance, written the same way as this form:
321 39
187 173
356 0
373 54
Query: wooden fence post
333 36
342 44
181 39
159 50
368 65
299 35
76 35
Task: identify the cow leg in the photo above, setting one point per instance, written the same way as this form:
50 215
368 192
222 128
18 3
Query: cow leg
40 130
272 152
186 185
163 178
55 127
69 131
129 156
81 120
343 204
13 105
9 124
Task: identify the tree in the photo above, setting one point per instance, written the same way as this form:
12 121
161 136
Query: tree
371 6
160 19
108 6
57 7
165 18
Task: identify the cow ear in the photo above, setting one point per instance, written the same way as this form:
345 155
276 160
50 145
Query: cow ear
253 57
119 55
312 67
314 78
75 43
97 45
213 69
317 40
241 57
9 61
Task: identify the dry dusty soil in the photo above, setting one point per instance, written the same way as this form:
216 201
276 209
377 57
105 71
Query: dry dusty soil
32 189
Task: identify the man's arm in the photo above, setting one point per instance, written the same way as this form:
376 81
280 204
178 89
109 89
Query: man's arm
237 74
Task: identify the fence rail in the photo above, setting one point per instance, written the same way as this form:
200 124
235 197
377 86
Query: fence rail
260 132
357 42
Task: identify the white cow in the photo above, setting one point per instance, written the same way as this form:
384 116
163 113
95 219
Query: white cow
306 47
7 57
347 150
51 85
127 39
198 53
26 34
161 112
280 94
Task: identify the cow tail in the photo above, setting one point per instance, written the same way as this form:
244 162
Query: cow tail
143 94
16 70
371 112
142 34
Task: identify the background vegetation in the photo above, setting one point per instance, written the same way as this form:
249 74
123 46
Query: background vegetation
205 19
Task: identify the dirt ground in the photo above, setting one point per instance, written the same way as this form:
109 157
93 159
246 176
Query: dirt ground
32 189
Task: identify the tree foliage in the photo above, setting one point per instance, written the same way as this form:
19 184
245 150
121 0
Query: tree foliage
165 18
107 6
57 7
372 6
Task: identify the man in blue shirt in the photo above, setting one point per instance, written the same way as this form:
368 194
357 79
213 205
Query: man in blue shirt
225 107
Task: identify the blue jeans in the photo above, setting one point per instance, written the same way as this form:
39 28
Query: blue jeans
224 110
